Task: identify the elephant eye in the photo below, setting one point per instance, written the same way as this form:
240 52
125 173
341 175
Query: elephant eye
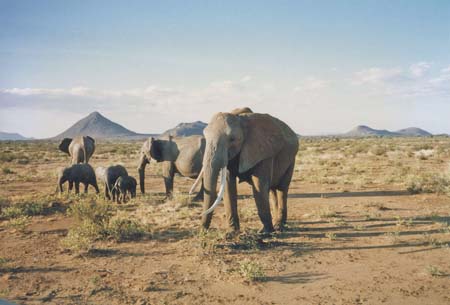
232 139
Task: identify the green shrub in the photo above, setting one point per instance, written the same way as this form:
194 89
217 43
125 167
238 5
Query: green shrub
428 183
122 229
81 238
251 270
7 171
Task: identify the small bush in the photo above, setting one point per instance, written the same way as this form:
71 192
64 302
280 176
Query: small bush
11 212
81 238
122 229
19 223
251 270
429 184
379 150
22 209
97 213
7 171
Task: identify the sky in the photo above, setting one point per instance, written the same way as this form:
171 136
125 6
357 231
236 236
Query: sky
320 66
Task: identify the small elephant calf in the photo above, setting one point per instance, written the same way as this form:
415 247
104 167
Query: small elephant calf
109 176
123 185
76 174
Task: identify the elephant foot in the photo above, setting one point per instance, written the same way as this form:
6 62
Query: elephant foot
279 227
198 197
231 234
266 231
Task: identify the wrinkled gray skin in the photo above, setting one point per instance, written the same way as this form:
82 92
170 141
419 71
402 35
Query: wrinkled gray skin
76 174
256 148
182 155
80 148
108 176
123 186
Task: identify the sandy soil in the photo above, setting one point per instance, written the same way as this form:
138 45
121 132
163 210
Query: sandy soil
372 245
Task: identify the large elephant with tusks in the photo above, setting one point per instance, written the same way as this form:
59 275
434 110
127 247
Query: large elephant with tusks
256 148
182 155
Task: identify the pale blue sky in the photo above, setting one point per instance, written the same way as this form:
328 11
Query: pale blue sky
322 66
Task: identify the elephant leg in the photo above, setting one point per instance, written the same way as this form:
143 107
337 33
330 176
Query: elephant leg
70 186
230 201
168 182
261 194
95 185
281 216
168 172
124 196
274 202
282 194
199 196
107 195
77 187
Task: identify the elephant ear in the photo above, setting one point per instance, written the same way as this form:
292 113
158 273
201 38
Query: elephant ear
156 150
263 139
64 145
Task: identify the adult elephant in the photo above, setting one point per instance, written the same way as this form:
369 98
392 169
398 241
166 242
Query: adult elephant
181 155
256 148
80 148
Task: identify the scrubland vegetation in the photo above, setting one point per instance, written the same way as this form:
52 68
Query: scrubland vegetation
370 213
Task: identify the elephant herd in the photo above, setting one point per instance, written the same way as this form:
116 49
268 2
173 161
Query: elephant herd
252 147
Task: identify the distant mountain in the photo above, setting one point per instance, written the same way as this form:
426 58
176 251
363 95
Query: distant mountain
99 127
186 129
5 136
366 131
413 132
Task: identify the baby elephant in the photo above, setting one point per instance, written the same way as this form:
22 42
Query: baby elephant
109 176
123 185
77 173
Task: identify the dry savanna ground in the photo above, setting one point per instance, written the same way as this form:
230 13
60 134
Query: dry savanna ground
368 224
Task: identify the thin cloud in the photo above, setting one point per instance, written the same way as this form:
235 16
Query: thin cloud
376 75
419 69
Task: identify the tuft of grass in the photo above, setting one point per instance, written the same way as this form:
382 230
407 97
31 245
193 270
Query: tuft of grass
19 223
209 240
11 212
434 271
393 236
7 171
251 270
327 213
331 236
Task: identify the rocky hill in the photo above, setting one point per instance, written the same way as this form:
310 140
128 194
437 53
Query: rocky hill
414 132
8 136
99 127
366 131
186 129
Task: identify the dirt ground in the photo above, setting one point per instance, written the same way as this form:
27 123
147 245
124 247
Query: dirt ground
357 234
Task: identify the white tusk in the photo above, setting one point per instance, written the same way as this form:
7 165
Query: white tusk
223 181
194 186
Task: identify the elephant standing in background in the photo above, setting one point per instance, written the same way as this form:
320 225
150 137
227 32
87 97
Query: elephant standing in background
256 148
109 177
80 148
76 174
182 155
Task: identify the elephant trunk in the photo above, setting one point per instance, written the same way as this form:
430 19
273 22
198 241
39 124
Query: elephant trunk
141 170
213 165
